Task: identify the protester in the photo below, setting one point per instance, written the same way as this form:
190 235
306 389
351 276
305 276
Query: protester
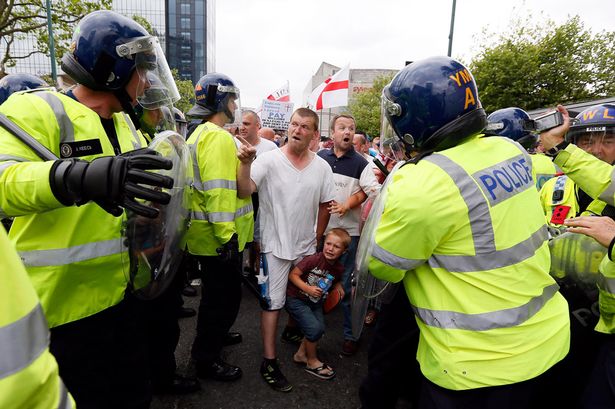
354 182
267 133
296 180
305 297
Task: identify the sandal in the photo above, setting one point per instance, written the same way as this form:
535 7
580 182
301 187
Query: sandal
370 318
324 371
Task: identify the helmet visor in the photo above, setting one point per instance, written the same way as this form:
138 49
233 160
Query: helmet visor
597 140
153 71
391 145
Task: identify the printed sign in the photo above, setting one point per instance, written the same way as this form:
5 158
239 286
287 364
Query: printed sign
276 114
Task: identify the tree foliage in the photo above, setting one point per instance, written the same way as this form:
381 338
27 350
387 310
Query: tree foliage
186 92
19 18
366 106
538 65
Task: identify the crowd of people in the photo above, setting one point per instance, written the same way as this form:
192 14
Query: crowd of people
471 207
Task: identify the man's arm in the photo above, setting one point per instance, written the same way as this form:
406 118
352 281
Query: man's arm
353 201
246 154
321 223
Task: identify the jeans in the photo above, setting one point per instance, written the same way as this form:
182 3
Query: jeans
309 317
348 260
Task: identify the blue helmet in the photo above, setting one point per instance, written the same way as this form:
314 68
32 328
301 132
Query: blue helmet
95 57
213 93
19 82
512 123
598 120
432 104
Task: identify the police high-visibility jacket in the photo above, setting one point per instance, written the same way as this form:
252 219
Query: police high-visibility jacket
74 256
464 230
559 195
28 372
217 213
594 176
543 169
606 295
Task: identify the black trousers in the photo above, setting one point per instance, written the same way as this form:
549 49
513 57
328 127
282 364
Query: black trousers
600 392
392 367
220 301
102 358
162 329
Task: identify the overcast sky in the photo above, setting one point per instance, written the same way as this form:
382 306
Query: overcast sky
261 44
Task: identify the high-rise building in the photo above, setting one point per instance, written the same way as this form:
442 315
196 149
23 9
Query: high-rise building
186 29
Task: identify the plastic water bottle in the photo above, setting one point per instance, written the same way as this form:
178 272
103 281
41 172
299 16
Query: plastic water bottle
324 283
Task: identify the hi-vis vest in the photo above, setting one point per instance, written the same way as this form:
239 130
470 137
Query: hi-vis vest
74 256
560 201
606 296
216 211
28 372
464 231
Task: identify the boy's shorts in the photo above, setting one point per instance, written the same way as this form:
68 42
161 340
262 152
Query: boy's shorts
273 291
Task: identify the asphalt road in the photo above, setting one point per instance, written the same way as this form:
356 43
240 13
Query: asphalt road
251 391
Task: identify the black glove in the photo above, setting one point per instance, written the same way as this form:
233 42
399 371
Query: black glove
230 250
112 182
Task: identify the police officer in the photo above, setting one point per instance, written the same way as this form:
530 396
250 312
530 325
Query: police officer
516 124
490 317
28 371
590 173
600 392
594 132
65 230
221 222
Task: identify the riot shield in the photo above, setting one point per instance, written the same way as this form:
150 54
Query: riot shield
365 287
155 246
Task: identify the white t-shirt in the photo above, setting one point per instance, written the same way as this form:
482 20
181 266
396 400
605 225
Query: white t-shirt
264 145
289 201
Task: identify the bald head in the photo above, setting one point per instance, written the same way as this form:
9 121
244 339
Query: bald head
266 133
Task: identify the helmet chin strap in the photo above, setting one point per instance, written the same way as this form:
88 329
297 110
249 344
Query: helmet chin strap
455 131
126 103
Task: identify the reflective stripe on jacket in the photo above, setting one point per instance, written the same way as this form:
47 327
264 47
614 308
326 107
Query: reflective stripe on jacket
216 211
29 375
464 231
543 169
74 256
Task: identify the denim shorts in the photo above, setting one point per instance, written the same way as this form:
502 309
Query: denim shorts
309 317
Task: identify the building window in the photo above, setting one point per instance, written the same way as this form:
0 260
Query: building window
185 23
185 8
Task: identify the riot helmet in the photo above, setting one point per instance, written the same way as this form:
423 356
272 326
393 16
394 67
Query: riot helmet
19 82
107 48
593 130
431 104
512 123
215 93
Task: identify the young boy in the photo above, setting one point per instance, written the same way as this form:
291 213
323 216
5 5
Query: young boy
304 298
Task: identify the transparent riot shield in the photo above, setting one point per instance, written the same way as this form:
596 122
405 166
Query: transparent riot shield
575 259
365 287
155 246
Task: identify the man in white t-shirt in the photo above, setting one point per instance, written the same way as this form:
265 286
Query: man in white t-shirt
249 130
295 187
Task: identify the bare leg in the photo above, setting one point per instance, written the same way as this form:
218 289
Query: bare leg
310 353
301 355
269 325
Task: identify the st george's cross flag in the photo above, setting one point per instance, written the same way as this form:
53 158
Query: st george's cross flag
282 94
331 93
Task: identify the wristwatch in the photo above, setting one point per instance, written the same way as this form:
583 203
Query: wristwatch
557 148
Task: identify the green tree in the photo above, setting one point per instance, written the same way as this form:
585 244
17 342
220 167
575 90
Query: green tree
535 65
366 106
186 92
20 18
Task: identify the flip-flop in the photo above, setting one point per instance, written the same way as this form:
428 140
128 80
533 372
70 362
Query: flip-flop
318 372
